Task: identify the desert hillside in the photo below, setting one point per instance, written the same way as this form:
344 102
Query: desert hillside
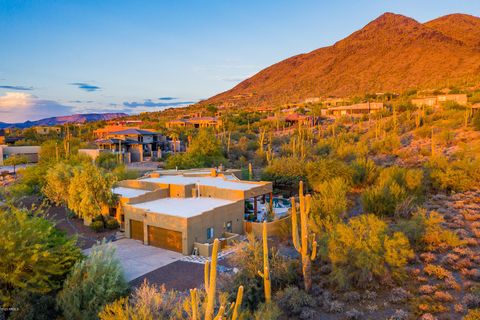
393 53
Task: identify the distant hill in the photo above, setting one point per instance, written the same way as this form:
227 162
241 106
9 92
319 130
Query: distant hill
75 118
393 53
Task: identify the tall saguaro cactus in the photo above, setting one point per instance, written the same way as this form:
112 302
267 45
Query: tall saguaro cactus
210 288
211 281
266 268
303 242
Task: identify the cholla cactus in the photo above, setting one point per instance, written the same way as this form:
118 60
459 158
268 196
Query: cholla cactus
304 243
266 268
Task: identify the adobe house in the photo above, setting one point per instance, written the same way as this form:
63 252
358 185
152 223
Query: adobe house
29 152
185 211
195 122
44 130
354 110
433 101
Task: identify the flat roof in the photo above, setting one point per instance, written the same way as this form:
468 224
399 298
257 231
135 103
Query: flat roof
182 207
129 192
218 182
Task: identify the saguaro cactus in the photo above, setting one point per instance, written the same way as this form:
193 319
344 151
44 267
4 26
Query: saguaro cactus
210 288
266 268
211 281
304 243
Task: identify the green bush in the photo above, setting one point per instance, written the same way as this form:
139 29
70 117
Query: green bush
364 253
93 283
294 300
112 224
394 193
425 232
326 169
148 302
454 175
35 256
97 226
329 203
285 173
364 172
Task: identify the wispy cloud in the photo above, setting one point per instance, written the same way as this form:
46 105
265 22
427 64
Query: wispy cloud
151 104
85 86
21 88
167 98
19 107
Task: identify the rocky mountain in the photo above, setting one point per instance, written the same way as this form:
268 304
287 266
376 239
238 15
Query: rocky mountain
75 118
393 53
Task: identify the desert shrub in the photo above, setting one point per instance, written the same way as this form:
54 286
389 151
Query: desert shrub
425 231
146 302
294 301
473 314
34 307
285 173
456 175
362 252
437 271
329 203
205 150
326 169
435 236
122 173
35 256
96 226
108 161
364 172
387 145
264 311
394 188
249 259
93 283
112 224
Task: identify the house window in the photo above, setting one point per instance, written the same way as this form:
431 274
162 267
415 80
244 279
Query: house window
229 226
209 233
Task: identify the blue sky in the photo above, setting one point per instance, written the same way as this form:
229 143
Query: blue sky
62 57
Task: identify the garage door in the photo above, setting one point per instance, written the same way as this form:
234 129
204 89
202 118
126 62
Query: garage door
164 238
136 230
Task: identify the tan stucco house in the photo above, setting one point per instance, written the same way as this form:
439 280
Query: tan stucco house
185 211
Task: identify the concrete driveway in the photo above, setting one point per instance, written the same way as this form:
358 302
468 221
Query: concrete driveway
138 259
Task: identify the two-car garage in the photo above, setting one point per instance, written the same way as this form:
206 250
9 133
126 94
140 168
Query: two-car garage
157 237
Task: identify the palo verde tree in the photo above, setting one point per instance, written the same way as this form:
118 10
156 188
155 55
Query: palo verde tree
57 182
90 189
35 256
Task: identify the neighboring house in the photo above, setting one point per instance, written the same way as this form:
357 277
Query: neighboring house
29 152
185 211
135 144
47 130
432 101
354 109
195 122
2 136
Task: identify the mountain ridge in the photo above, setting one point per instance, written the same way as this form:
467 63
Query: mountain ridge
391 53
74 118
